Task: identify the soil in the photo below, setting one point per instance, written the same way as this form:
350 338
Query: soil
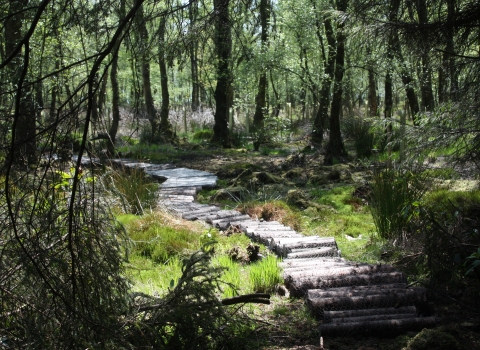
455 315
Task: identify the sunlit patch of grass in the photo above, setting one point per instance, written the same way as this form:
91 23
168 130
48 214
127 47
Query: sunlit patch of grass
265 275
151 278
344 217
159 237
232 276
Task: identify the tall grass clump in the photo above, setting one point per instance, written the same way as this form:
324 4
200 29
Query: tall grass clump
363 134
231 275
265 275
134 190
393 199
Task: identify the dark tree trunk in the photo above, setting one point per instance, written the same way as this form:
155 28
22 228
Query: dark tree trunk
145 69
324 96
395 50
372 88
192 13
165 126
388 105
223 48
112 133
428 101
23 151
261 98
335 147
447 75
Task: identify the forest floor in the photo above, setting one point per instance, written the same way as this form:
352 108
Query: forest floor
287 330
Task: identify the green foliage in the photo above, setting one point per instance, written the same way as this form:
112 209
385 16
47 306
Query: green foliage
231 276
394 200
363 134
189 316
202 135
450 229
265 275
432 339
134 191
67 266
158 242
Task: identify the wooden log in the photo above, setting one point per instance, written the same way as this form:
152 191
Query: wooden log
400 297
284 249
298 263
382 327
223 224
259 298
300 286
317 293
194 215
315 266
289 241
313 294
329 315
338 271
270 228
392 316
310 253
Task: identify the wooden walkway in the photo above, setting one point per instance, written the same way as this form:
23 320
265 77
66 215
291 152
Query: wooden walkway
346 297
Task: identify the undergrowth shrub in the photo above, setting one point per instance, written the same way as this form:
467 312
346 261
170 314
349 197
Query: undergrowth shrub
190 316
202 135
393 200
363 134
450 227
134 190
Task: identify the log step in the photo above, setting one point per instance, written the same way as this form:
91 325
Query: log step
197 214
321 271
356 315
311 253
299 263
298 287
384 327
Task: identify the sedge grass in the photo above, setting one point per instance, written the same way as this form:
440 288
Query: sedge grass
265 275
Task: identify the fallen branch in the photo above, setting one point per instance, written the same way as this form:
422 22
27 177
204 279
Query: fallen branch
258 298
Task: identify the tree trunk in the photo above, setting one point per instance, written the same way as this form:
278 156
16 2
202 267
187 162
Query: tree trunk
166 131
395 50
324 96
388 109
112 133
372 88
192 13
335 148
447 75
145 70
24 149
428 101
261 98
223 90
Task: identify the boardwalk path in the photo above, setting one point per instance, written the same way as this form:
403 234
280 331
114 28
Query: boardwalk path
346 297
